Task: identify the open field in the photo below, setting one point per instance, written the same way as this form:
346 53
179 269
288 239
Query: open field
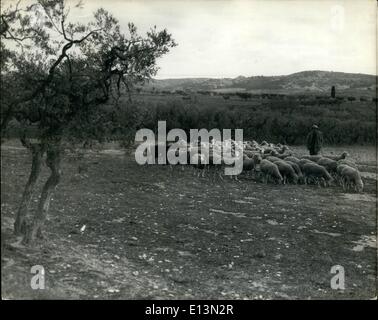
155 232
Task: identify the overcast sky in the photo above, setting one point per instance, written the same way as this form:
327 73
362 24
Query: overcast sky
228 38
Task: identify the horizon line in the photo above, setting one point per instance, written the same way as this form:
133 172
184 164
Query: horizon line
250 76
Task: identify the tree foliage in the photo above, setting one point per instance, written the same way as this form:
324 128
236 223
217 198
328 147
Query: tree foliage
275 120
64 79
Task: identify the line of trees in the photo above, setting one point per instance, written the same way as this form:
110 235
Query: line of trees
279 121
276 121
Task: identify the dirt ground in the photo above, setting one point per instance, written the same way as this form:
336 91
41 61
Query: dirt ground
117 230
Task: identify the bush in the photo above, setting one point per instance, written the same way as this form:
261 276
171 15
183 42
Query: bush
277 120
244 95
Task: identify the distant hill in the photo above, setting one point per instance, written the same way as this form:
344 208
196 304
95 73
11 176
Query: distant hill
310 82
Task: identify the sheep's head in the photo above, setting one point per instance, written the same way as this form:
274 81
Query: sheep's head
274 153
359 185
256 158
280 180
344 155
301 179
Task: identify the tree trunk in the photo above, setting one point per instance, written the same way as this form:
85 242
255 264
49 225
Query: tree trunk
37 151
53 162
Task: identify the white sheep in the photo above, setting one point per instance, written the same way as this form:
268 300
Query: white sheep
271 158
292 159
302 162
281 155
313 170
351 178
313 157
270 170
297 169
248 164
329 164
349 163
340 157
287 171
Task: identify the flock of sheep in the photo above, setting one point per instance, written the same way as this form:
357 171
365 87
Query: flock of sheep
275 163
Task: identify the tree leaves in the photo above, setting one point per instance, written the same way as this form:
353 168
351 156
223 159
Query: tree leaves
79 66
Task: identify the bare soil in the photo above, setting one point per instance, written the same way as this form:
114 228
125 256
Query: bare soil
117 230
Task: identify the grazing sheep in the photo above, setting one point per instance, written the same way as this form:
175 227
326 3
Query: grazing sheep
340 157
338 177
270 170
248 165
279 155
286 171
349 163
351 178
274 161
313 157
256 159
249 153
302 162
292 159
316 171
329 164
268 150
283 149
272 158
285 155
297 170
340 167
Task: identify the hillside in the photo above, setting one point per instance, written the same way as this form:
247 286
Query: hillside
310 82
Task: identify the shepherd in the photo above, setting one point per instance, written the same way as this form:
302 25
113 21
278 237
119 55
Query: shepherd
314 140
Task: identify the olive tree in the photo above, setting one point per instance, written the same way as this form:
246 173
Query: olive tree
64 80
